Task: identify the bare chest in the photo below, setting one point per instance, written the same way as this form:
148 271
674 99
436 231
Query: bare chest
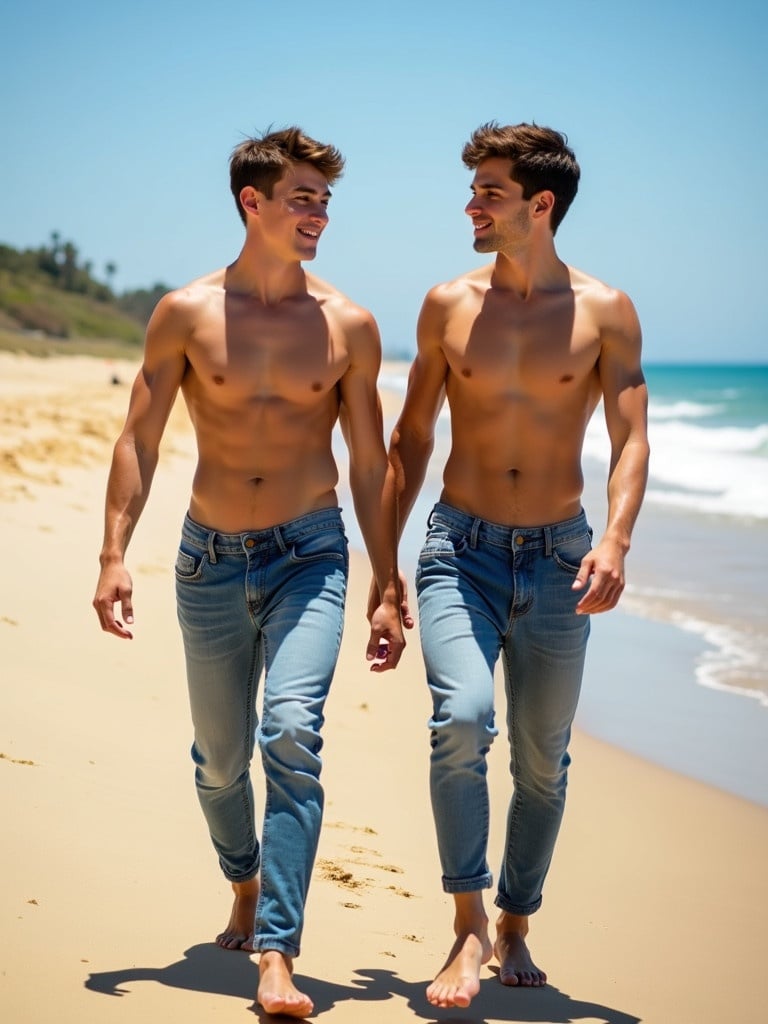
243 356
539 350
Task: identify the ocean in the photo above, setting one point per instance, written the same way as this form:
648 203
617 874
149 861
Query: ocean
679 672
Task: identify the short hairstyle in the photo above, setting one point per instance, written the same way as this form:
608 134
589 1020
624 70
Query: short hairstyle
541 159
263 160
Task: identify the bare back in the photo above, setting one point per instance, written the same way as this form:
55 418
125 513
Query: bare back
260 385
522 382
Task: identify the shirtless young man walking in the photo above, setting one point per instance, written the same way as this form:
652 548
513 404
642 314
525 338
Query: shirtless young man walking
267 358
524 349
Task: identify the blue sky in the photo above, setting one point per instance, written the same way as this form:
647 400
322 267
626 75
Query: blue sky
118 121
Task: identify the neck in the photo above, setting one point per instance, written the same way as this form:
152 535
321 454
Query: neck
530 269
264 276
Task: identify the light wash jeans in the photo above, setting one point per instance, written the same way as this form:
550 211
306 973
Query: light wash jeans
268 601
484 590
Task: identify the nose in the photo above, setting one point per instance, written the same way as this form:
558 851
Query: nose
473 207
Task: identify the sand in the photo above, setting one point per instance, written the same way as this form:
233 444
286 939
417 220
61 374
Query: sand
110 896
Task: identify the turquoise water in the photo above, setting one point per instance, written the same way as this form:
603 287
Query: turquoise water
679 673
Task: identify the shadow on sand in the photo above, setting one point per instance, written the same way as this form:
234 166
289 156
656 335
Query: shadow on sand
207 968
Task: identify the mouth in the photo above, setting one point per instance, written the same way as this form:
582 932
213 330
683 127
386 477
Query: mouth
308 233
480 225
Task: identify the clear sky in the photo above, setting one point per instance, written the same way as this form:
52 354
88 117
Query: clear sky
118 120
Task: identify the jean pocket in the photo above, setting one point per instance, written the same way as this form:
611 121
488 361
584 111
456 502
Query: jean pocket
442 542
189 566
322 545
568 553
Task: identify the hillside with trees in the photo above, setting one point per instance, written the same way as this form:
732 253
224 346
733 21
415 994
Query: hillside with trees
51 293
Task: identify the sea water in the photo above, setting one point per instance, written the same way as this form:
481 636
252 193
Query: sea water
697 576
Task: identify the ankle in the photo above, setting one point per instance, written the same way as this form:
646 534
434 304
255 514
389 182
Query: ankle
512 924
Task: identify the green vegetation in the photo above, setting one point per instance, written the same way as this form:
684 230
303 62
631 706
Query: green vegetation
50 301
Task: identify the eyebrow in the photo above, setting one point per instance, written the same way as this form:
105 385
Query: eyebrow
306 190
486 185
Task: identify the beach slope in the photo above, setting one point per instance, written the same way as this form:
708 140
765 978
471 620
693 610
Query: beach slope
110 896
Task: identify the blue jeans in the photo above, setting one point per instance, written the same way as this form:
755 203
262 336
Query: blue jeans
268 601
484 590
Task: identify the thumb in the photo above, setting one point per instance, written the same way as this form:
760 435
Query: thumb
582 576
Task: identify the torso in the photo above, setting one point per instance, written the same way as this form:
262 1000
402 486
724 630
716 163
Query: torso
522 385
261 390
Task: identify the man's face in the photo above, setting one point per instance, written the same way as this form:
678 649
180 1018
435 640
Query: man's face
297 212
500 216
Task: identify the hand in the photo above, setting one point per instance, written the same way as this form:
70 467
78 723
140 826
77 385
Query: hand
603 570
386 643
114 587
374 600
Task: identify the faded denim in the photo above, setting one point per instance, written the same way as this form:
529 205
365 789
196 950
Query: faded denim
486 590
264 603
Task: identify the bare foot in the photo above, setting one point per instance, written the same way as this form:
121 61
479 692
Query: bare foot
459 981
517 968
277 993
239 931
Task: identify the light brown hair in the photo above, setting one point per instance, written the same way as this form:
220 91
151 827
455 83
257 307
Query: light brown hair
263 160
541 160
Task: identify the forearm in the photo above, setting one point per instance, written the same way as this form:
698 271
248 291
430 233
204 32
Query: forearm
375 500
626 489
130 479
409 457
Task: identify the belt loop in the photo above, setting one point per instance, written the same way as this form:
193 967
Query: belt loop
548 541
473 533
429 518
212 547
279 539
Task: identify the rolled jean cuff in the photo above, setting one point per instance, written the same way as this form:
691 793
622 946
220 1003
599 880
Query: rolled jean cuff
454 885
240 879
515 908
263 944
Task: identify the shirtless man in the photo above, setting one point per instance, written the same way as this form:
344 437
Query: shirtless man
268 358
523 348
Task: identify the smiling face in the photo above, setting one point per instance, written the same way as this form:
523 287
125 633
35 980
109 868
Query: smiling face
501 217
292 219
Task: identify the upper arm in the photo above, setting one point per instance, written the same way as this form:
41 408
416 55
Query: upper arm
162 370
360 414
426 380
625 396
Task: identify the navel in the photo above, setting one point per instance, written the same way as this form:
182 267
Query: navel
317 386
218 379
466 372
256 480
566 378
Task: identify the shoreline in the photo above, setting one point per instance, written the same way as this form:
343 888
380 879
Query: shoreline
96 780
48 427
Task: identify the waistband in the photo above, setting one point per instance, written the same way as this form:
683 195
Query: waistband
482 531
280 536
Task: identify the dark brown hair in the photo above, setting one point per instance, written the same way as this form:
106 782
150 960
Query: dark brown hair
541 160
262 161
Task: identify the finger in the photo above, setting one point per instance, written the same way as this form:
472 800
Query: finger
582 576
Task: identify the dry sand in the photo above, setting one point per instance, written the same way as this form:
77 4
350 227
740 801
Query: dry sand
656 904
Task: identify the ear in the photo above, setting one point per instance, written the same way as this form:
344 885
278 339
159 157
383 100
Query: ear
249 199
543 204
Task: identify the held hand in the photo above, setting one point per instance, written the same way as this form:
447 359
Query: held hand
114 587
374 600
386 643
603 570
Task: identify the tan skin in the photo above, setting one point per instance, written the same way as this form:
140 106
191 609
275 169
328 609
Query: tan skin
523 349
267 358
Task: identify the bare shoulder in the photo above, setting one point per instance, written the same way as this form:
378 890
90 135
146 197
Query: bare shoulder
611 308
185 304
448 294
343 313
